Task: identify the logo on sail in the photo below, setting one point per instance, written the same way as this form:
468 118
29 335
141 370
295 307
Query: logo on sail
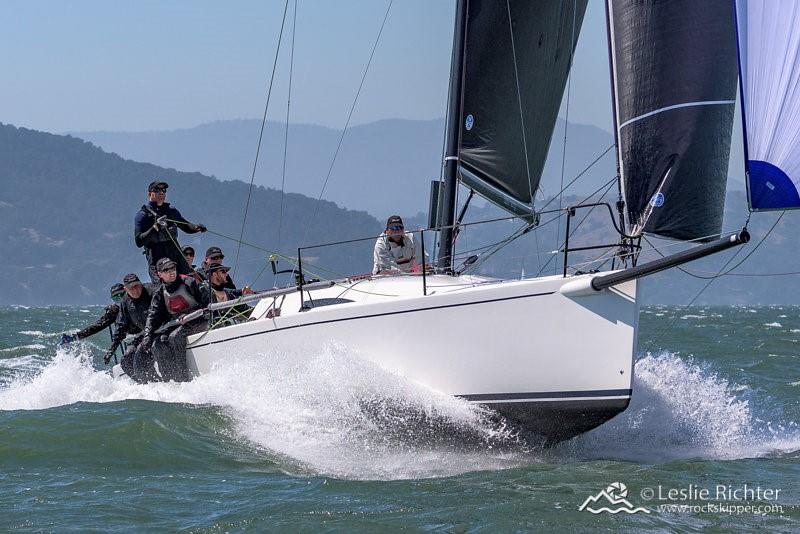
657 200
469 122
613 496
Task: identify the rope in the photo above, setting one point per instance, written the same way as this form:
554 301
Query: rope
347 123
260 136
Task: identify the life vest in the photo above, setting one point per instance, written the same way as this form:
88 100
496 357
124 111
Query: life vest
180 301
172 229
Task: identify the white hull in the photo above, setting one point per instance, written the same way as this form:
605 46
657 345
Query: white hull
559 364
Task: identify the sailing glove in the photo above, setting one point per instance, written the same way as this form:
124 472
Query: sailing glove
107 357
200 227
146 344
66 339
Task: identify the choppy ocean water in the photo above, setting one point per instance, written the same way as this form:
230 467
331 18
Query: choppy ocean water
316 442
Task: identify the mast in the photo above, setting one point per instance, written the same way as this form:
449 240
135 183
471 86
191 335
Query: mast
444 260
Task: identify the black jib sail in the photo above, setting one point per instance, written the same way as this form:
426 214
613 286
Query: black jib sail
674 74
516 61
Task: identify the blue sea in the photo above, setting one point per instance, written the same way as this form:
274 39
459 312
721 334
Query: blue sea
316 442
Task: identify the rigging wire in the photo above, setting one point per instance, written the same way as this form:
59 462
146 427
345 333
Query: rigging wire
730 272
566 118
285 139
519 102
261 134
722 272
347 123
608 185
579 175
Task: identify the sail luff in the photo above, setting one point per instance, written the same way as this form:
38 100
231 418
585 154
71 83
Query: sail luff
615 110
674 72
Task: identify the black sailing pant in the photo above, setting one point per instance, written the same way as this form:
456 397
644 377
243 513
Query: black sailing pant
170 351
138 363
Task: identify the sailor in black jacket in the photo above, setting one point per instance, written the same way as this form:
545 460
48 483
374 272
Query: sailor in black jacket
175 297
106 320
133 308
156 230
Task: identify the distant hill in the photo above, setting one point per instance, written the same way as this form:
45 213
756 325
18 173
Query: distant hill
383 167
66 228
67 208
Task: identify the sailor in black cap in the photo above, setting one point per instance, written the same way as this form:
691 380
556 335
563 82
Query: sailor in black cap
215 255
137 363
219 292
156 229
174 298
395 251
106 320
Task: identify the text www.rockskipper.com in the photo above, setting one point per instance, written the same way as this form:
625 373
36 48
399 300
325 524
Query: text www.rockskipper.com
723 508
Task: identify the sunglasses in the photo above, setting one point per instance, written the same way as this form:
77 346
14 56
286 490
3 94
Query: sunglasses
116 298
159 190
395 227
217 257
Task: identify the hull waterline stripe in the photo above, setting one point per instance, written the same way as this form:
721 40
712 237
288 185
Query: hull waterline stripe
546 395
264 332
551 399
676 106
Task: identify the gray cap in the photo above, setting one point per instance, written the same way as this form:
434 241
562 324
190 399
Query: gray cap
131 280
164 264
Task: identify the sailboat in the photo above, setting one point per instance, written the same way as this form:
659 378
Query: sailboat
554 354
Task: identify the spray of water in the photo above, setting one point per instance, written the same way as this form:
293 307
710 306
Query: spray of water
336 414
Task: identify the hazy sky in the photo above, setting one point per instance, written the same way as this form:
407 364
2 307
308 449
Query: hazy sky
155 65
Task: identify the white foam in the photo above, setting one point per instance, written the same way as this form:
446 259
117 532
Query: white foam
21 362
32 333
336 414
331 413
34 346
773 325
680 409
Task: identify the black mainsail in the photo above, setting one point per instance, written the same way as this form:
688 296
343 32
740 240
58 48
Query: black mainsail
517 57
674 76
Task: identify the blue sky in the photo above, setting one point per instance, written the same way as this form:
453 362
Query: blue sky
156 65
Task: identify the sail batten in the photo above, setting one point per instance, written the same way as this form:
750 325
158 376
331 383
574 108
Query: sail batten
517 57
674 78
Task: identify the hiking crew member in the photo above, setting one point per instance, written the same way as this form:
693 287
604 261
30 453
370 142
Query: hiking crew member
174 298
133 308
188 254
217 278
106 320
215 255
394 250
156 230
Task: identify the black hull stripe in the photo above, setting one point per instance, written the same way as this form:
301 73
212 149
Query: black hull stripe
372 315
547 395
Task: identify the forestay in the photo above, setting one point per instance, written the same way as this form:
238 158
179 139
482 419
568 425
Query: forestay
769 55
516 62
674 79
